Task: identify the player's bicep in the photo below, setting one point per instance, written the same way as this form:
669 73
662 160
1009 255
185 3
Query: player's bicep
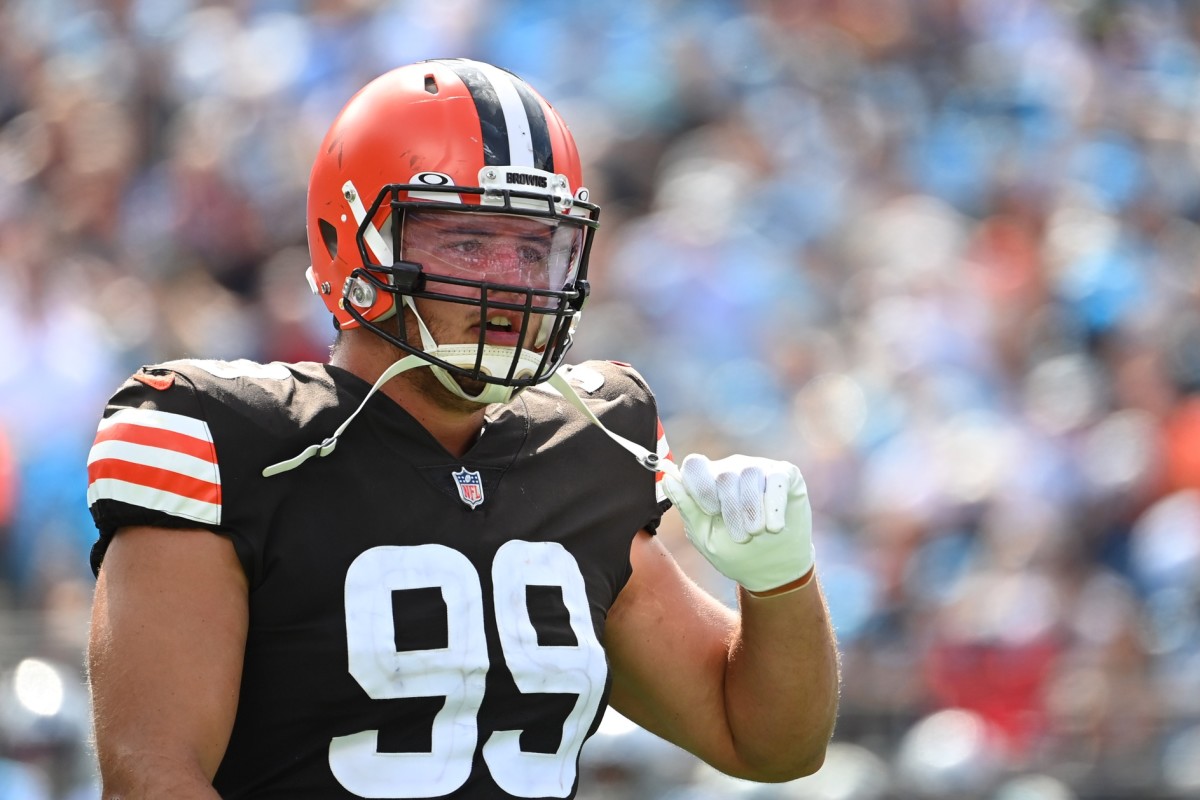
165 654
668 646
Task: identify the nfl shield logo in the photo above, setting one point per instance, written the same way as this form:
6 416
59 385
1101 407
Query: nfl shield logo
470 486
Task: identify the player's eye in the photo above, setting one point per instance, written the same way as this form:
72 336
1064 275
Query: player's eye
466 246
533 254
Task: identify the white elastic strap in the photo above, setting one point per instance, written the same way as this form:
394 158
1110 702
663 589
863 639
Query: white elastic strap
647 458
428 344
326 447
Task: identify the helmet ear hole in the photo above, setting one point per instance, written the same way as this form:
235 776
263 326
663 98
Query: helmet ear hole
329 237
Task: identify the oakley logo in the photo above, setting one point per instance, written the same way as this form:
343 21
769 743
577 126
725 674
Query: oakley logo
433 179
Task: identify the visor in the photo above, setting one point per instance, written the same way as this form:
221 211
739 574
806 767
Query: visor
538 253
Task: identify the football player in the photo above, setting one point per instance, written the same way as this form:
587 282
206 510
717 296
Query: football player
424 568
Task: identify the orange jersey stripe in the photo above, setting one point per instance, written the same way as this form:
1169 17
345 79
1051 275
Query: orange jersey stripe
158 437
155 478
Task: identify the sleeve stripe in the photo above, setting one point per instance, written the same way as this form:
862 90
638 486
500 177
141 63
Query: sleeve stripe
158 438
155 479
164 420
157 458
156 499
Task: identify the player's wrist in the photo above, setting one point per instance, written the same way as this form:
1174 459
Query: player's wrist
787 588
786 565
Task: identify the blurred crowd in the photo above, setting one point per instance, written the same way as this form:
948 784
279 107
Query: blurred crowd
942 254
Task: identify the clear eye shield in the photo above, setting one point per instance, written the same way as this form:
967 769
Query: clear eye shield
461 251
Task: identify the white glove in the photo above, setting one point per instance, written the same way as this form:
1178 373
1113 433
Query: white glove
749 516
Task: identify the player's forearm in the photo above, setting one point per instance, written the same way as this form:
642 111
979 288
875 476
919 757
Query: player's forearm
141 775
782 684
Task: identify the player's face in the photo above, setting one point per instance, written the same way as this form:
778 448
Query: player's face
495 249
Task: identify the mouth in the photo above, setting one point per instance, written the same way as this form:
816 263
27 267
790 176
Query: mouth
501 330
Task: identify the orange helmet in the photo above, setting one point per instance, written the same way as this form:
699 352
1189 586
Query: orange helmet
449 135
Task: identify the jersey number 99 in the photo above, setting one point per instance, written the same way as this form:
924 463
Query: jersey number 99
458 671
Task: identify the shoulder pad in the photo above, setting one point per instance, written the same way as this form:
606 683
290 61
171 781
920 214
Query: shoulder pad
602 379
154 449
227 370
177 434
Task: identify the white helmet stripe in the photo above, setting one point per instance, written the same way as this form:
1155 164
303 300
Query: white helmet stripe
514 130
520 140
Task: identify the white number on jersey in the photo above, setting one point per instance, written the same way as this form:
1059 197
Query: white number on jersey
458 671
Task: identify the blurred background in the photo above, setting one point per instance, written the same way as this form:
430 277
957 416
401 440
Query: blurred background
942 254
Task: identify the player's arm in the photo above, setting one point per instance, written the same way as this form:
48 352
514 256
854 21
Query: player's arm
754 694
165 657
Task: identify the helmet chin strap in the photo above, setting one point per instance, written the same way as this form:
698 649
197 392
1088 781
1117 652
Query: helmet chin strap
326 447
647 458
496 361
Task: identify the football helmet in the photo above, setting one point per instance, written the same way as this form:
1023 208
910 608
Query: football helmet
431 147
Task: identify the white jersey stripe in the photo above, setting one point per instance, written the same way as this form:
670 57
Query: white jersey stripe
164 420
520 141
157 457
156 499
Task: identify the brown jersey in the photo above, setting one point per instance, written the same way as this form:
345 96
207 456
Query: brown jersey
421 625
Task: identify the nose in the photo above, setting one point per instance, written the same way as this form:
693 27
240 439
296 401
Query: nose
520 296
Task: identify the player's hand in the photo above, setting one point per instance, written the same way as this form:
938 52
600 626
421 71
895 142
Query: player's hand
749 516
